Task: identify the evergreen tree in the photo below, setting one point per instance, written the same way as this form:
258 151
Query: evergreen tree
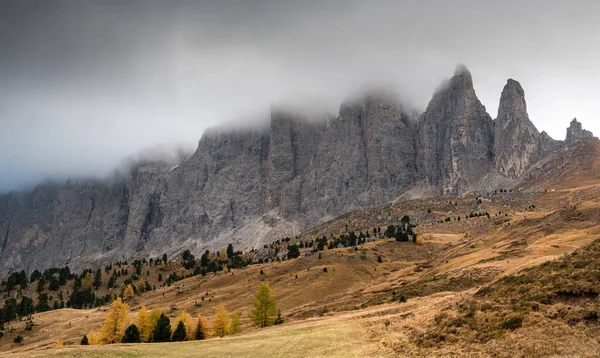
97 279
230 251
202 328
53 284
279 319
293 251
180 333
162 331
132 335
186 318
265 309
84 341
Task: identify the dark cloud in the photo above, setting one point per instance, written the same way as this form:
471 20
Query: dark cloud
85 83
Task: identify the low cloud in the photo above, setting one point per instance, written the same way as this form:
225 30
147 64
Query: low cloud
85 84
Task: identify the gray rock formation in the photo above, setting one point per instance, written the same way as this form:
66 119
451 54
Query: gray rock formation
252 186
456 136
517 142
241 186
575 132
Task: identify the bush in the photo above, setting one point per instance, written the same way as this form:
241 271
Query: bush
512 323
18 339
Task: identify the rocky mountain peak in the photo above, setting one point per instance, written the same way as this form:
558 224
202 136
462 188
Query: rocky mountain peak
456 136
575 132
517 141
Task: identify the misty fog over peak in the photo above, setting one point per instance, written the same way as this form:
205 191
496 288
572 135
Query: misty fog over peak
85 84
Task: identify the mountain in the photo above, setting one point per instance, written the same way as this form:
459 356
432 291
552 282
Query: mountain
456 136
250 186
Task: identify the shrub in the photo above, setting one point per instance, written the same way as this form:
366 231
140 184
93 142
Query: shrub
18 339
512 323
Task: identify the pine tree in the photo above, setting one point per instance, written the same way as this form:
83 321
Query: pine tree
186 318
132 335
117 320
221 321
278 320
128 292
265 308
162 331
234 327
202 328
180 333
153 318
84 341
143 324
97 279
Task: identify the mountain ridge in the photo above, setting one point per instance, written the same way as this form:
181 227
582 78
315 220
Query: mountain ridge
250 186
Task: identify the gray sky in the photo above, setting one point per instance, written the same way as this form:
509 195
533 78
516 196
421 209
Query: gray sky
84 84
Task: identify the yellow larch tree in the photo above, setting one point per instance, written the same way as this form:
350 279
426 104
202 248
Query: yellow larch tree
234 327
221 321
141 285
86 283
117 320
95 338
143 324
128 292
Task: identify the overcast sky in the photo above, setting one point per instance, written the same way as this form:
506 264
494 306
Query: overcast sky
84 84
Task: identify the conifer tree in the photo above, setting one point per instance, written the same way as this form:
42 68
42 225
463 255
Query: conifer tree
132 335
221 321
143 324
186 318
180 333
234 327
162 331
117 320
202 328
97 279
84 341
128 292
153 318
265 309
86 283
95 337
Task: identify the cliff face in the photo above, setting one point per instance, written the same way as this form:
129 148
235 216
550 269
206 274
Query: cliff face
517 141
248 187
456 136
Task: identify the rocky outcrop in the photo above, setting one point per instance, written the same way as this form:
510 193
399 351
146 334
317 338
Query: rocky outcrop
575 132
517 142
456 136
